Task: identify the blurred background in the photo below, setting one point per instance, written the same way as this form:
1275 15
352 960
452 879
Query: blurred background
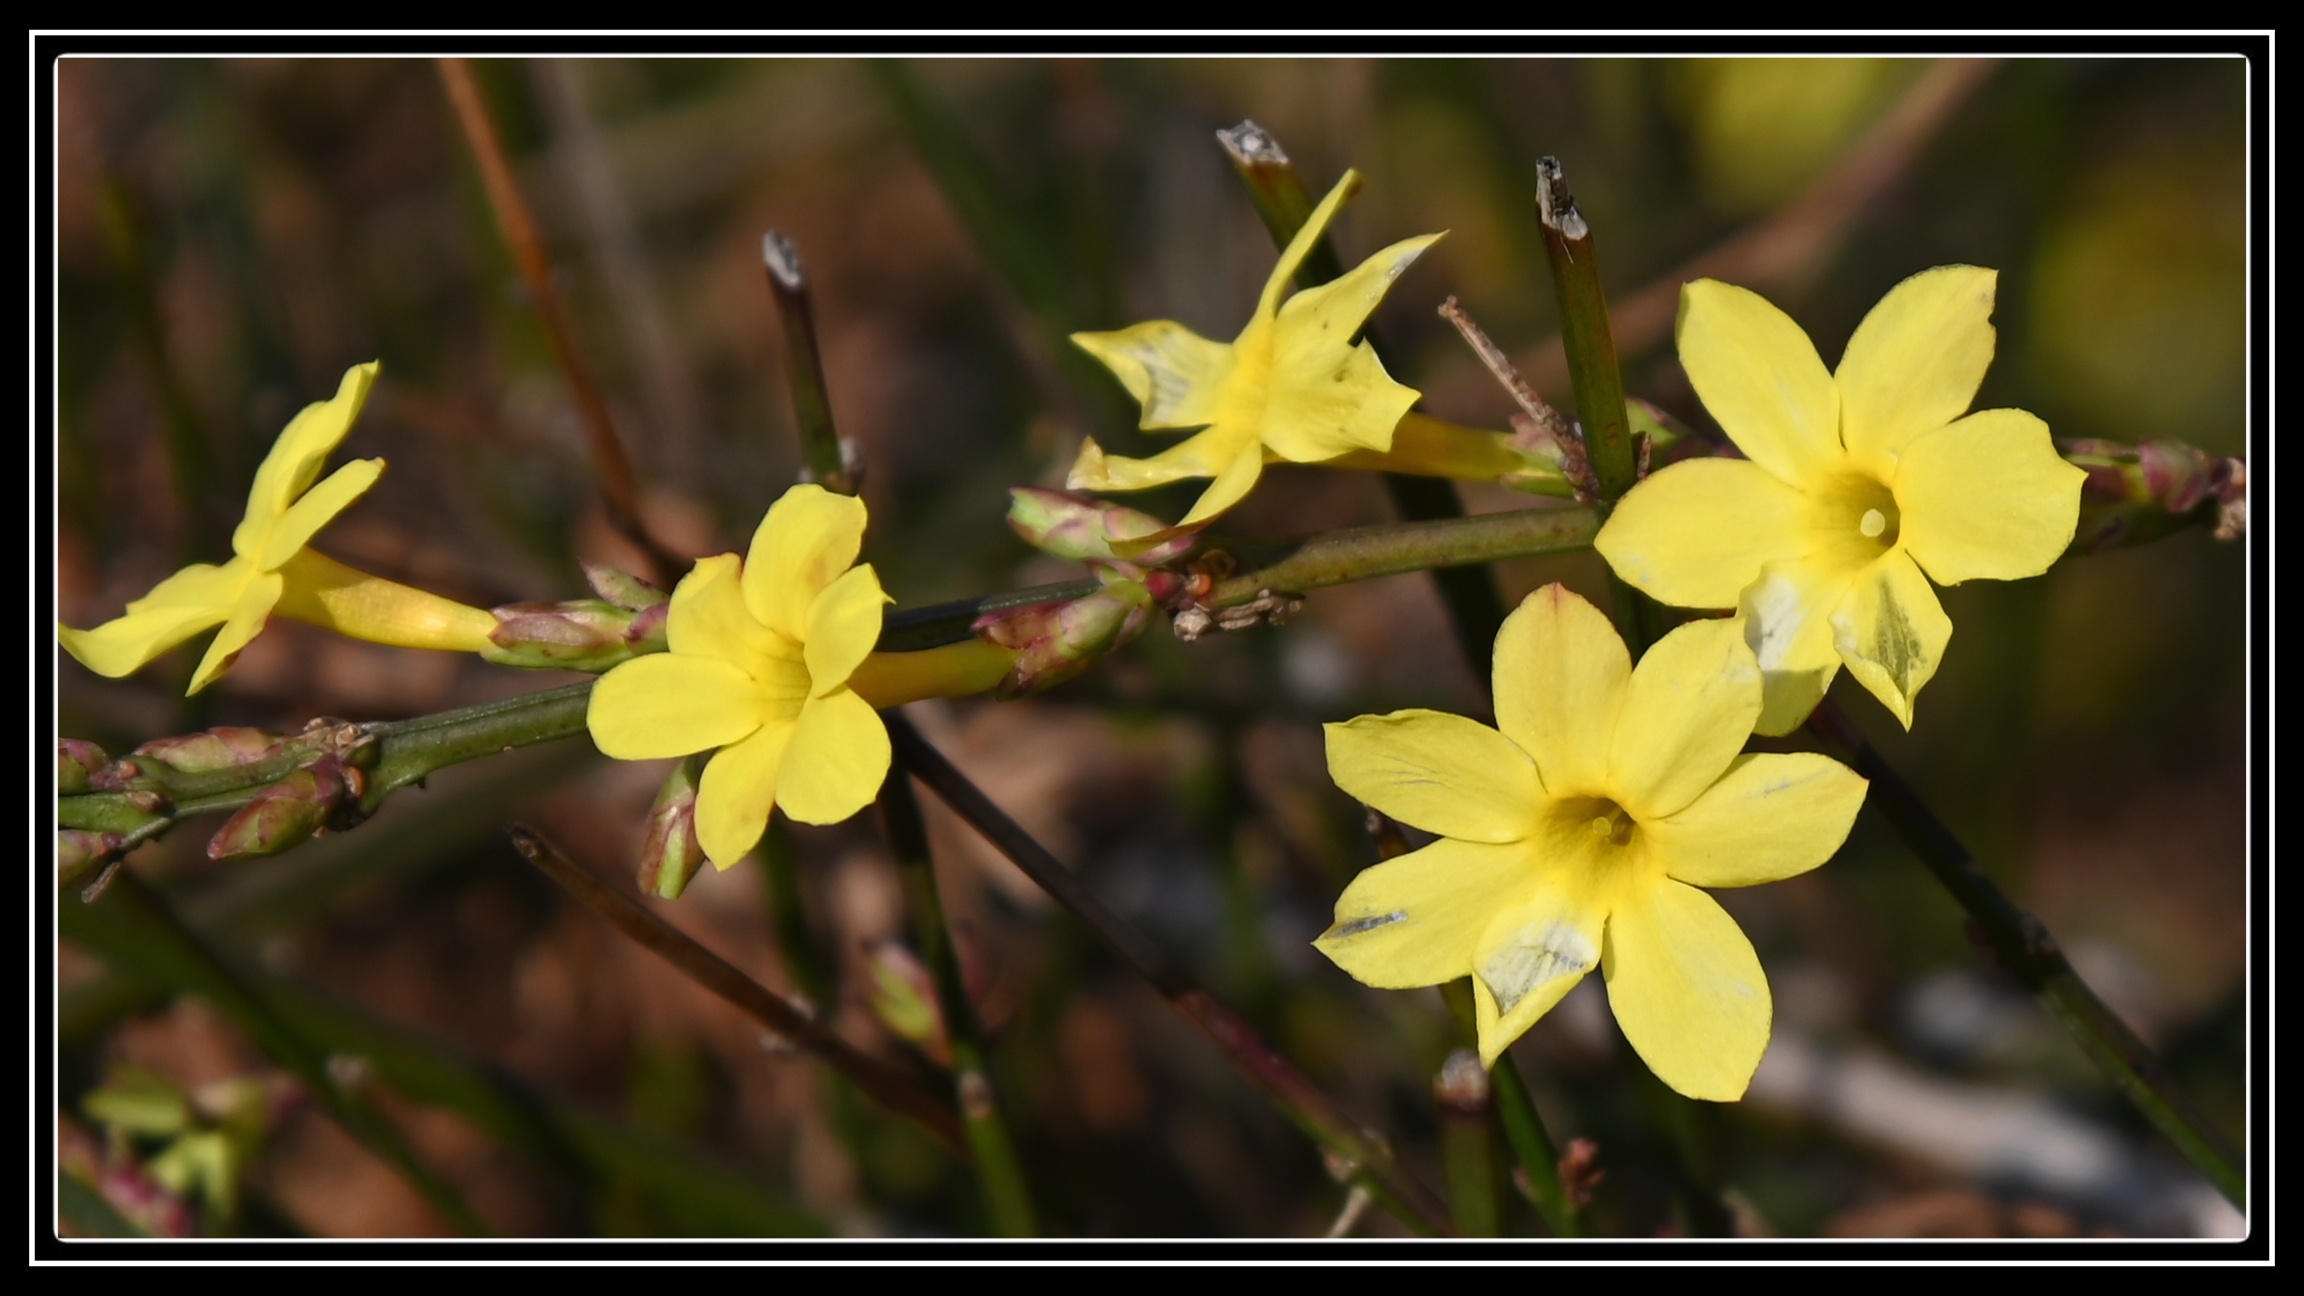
231 236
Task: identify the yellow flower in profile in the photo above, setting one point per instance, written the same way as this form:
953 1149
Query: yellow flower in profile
1578 835
763 656
1293 386
273 569
1857 486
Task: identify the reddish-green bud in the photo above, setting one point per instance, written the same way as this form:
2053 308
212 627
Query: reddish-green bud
223 747
621 588
581 634
1084 529
2136 493
670 853
1055 641
289 812
903 997
80 851
76 760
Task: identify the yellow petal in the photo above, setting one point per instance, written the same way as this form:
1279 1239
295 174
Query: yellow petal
1687 991
1175 374
708 617
1331 313
178 608
1439 772
1531 955
1415 921
1698 532
240 629
1891 632
1759 377
737 792
1690 706
324 592
838 759
1915 362
843 624
1230 487
1328 400
1769 817
200 585
1325 396
1299 247
671 704
809 537
322 503
1987 498
1787 619
297 456
1561 672
1201 455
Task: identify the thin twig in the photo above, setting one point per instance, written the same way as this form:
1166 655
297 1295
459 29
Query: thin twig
1500 367
1318 1115
618 489
885 1084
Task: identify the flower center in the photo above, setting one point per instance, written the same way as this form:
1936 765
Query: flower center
1596 824
1875 508
1856 519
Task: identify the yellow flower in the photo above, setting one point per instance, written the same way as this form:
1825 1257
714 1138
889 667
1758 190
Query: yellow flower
1853 484
273 570
1578 836
1292 386
763 658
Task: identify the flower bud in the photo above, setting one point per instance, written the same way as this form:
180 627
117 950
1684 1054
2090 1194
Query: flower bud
620 588
1055 641
903 997
2141 492
80 851
289 811
670 853
76 759
1084 529
581 634
223 747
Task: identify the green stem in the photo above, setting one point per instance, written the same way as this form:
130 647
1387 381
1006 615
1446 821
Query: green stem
1468 1144
1369 1160
1585 332
1593 373
999 1173
885 1084
1364 553
1475 608
2027 950
1524 1130
804 364
137 929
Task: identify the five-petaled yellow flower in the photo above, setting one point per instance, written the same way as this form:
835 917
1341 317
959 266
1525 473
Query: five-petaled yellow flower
1578 836
763 655
1853 484
273 570
1292 386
